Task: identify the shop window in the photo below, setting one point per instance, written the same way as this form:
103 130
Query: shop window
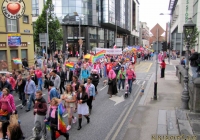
3 55
11 25
25 19
13 54
24 54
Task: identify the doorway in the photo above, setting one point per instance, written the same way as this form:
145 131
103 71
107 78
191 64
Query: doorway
14 54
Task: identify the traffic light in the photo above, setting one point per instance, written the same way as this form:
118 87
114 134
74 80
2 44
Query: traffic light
51 45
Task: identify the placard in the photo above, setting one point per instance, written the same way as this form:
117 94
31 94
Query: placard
14 40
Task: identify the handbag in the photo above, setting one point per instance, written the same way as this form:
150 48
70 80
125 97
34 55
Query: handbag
109 82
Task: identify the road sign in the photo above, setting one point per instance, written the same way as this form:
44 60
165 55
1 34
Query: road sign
43 38
119 42
154 30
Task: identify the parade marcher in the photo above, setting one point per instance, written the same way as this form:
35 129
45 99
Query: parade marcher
14 132
53 92
90 90
131 77
40 110
95 79
21 83
3 129
7 105
112 82
38 73
34 77
53 120
162 67
121 76
82 98
61 73
55 79
75 85
5 84
29 90
193 63
85 74
70 98
10 80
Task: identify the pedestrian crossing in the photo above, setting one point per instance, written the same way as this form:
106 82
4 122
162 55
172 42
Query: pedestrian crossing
139 82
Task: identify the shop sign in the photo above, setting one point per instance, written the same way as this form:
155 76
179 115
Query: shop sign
186 10
26 31
14 40
13 9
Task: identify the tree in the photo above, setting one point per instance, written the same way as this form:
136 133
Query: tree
55 30
194 36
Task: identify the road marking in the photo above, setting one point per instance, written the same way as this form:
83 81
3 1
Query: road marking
149 67
124 118
21 104
117 99
103 88
143 83
115 125
175 68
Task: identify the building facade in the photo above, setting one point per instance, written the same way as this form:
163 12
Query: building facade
20 29
144 34
101 21
181 11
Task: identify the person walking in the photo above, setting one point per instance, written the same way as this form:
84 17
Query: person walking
82 98
38 73
85 74
194 56
53 92
90 90
131 77
121 78
30 90
53 120
70 98
21 83
40 111
55 79
7 104
112 82
62 75
162 67
95 79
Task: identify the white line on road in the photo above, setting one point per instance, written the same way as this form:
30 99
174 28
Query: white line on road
143 83
124 118
103 88
65 115
21 104
115 125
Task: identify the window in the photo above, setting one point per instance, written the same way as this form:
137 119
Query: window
24 54
11 25
25 19
3 55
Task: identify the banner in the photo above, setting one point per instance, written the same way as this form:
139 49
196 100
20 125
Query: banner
110 51
14 40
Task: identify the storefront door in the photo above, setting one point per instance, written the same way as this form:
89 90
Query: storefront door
14 54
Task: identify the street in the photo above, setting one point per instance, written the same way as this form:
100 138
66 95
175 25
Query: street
110 116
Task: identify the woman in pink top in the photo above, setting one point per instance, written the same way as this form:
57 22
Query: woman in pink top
112 82
7 105
131 77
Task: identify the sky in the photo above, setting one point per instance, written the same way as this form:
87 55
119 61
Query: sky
150 12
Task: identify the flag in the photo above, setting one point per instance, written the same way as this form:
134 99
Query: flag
61 123
70 64
49 128
114 47
17 60
99 55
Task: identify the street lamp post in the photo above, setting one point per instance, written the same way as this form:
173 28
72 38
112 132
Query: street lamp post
156 77
47 41
188 29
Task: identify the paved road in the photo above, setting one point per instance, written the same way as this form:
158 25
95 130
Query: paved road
110 116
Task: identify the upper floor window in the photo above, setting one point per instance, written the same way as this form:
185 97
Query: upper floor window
11 25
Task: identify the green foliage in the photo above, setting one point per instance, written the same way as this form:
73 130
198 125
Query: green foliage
55 30
194 36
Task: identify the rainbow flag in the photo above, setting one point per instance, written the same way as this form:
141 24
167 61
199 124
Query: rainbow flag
17 60
70 64
99 55
61 123
92 59
49 128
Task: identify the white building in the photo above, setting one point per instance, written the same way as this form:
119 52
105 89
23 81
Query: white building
144 34
37 7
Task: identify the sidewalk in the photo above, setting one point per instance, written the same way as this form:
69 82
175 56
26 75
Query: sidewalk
156 117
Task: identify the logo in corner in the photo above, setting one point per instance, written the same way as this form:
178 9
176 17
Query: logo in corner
13 9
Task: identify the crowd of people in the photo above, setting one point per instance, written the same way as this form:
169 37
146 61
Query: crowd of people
73 87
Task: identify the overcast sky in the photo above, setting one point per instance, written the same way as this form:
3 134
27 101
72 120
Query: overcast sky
150 10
